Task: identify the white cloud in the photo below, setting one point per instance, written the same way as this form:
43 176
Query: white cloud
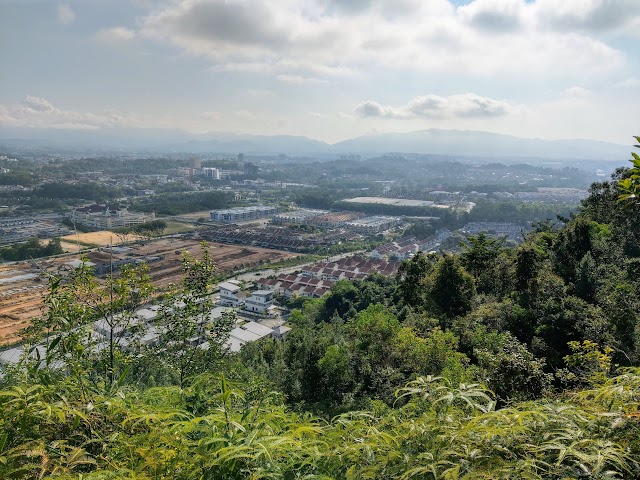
466 105
586 15
65 14
577 92
115 34
38 112
299 79
631 82
494 15
323 39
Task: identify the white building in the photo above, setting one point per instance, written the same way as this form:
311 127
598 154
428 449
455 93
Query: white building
258 329
231 294
297 216
259 301
239 214
210 173
372 225
101 217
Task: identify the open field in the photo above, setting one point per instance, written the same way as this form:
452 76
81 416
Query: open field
71 247
194 216
174 227
23 285
101 238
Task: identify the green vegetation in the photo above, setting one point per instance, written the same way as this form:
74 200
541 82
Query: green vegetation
85 191
30 249
498 363
394 210
515 212
173 227
630 185
154 228
180 203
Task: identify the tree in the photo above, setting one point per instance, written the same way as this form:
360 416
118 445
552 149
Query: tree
508 368
151 229
192 339
450 289
31 249
629 186
77 306
480 252
479 257
410 277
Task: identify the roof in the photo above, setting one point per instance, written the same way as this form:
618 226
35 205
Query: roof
77 263
233 344
243 335
95 208
11 356
262 292
281 330
229 286
147 314
258 329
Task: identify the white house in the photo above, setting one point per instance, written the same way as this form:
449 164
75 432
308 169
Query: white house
231 294
259 301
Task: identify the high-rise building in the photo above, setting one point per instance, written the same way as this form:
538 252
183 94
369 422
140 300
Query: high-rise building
210 173
250 170
196 163
241 157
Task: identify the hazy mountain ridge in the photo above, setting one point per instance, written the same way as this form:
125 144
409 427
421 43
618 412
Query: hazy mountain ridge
433 141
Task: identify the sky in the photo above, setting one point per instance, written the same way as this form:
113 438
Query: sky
326 69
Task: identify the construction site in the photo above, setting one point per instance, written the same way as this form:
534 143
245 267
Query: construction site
23 285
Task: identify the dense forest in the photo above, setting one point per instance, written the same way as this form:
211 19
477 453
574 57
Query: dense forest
497 363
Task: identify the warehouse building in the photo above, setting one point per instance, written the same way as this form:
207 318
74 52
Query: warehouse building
372 225
239 214
297 216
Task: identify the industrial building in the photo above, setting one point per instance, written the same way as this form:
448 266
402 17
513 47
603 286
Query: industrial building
334 220
101 217
372 225
240 214
107 267
501 229
297 216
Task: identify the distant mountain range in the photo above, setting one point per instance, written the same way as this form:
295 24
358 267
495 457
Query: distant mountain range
433 141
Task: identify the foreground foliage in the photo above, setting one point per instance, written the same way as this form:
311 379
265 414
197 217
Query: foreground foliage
214 430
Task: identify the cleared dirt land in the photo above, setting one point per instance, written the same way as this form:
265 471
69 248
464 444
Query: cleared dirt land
101 238
23 285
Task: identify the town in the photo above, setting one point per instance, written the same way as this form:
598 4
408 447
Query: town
272 236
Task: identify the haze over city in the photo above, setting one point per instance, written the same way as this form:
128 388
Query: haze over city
326 69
